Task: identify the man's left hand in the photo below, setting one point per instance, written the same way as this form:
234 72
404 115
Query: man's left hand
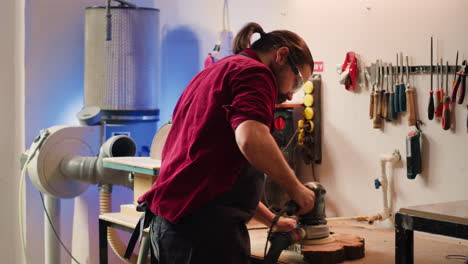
284 225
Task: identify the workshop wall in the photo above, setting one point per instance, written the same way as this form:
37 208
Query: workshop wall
12 120
351 147
375 29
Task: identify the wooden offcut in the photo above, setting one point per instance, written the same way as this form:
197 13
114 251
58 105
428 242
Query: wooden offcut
343 247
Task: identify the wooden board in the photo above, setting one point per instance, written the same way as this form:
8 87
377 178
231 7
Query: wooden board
142 183
144 165
289 105
120 219
342 247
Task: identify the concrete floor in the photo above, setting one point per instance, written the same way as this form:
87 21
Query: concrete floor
379 245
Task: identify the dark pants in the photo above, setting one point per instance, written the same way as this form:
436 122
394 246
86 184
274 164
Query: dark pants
213 234
200 239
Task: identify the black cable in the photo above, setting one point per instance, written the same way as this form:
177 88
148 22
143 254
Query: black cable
55 232
265 195
273 222
313 171
256 228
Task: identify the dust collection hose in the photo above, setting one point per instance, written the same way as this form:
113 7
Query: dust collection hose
114 241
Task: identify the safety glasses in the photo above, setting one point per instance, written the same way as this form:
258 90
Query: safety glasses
299 79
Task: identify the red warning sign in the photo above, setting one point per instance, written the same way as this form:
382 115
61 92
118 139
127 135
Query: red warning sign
318 66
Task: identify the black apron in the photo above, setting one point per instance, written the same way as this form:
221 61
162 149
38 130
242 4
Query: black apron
215 233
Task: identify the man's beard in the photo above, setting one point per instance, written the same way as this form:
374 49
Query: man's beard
281 98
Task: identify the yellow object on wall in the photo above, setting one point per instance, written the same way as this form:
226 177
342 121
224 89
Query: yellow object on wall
308 100
308 87
308 113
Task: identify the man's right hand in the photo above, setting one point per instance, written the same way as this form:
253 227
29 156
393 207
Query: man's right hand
259 147
304 197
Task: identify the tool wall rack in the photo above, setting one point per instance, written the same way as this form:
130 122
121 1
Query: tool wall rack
419 69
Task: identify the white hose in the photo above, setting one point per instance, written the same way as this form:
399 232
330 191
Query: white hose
21 195
384 160
21 188
114 241
384 184
385 214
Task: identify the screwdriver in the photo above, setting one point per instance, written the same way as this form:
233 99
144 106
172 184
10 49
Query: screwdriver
437 95
430 108
446 111
440 92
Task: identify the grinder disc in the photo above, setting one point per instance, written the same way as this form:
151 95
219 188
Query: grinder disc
318 241
317 231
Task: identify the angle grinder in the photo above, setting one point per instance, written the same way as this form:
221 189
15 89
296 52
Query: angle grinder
312 227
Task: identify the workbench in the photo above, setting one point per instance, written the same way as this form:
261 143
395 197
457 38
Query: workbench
145 171
379 242
447 219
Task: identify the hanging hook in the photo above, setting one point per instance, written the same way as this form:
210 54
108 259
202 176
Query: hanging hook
419 123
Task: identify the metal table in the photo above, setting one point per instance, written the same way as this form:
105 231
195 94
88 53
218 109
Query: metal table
447 219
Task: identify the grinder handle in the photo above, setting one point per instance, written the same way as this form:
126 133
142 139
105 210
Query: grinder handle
291 208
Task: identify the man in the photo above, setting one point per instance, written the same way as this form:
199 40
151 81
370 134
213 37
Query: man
207 190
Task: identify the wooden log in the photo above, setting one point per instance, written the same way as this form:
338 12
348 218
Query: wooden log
342 247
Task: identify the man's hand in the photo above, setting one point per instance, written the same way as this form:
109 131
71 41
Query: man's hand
284 225
304 197
260 149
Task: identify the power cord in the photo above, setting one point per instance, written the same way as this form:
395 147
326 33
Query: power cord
289 208
291 139
55 232
273 222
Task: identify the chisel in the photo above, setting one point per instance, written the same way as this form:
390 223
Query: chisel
396 102
430 108
410 98
377 121
402 87
371 104
393 113
384 92
446 111
380 92
387 94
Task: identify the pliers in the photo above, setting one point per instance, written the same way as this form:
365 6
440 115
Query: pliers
460 80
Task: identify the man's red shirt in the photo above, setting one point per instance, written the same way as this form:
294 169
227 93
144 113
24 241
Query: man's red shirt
200 158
